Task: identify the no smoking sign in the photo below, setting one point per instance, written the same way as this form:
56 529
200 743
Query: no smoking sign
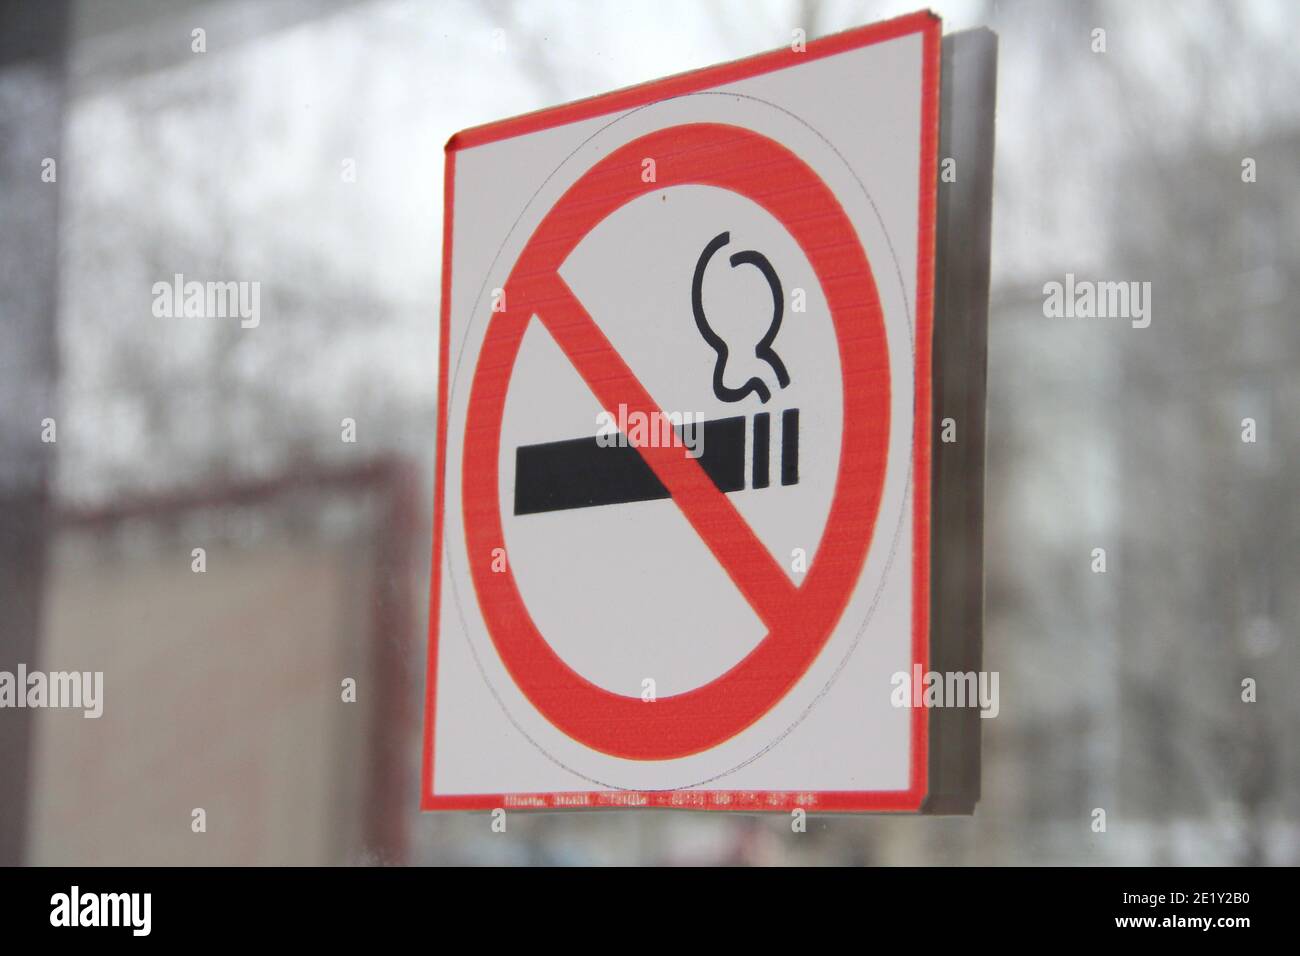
682 496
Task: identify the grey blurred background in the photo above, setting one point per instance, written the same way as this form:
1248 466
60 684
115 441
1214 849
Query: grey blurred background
1120 691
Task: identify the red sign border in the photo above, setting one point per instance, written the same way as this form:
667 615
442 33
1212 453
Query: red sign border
930 28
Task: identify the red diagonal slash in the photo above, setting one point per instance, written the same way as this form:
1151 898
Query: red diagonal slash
742 555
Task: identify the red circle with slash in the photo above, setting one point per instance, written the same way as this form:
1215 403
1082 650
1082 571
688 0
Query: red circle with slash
799 618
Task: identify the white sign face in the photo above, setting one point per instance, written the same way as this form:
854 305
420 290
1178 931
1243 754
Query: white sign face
681 531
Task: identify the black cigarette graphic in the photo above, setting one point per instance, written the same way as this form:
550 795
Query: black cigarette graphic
761 451
790 446
581 473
